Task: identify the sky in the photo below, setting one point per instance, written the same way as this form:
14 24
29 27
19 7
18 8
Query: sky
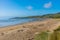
22 8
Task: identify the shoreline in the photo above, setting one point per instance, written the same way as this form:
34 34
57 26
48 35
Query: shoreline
23 23
28 30
29 24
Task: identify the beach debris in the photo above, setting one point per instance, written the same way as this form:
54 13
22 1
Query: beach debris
37 33
20 30
41 25
2 33
24 27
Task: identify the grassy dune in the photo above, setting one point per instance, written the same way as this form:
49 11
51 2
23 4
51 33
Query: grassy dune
42 36
48 35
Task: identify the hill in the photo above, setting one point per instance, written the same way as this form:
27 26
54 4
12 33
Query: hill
55 15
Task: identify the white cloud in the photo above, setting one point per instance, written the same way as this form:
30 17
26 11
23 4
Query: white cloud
48 5
29 7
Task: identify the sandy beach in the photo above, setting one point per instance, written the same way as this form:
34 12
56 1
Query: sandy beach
27 31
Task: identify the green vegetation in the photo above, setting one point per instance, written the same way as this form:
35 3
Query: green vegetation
56 34
26 17
58 29
42 36
57 15
52 36
49 36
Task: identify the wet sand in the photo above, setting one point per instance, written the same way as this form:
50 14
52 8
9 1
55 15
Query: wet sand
27 31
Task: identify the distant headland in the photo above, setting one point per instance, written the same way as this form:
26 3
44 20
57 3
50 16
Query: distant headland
55 15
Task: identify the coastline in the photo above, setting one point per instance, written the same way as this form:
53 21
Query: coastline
42 19
28 24
28 30
25 22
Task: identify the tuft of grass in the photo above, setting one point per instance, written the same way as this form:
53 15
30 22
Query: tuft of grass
42 36
57 33
53 36
58 29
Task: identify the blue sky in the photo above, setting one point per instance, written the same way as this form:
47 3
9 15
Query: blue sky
12 8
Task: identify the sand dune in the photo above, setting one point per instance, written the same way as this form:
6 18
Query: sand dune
27 31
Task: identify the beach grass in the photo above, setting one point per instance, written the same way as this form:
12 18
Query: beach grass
56 34
49 36
42 36
53 36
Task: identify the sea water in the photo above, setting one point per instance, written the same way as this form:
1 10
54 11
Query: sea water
7 22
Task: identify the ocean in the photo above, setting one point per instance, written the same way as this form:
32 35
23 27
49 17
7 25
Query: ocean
7 22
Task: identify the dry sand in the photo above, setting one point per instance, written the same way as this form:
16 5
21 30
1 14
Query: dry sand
27 31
